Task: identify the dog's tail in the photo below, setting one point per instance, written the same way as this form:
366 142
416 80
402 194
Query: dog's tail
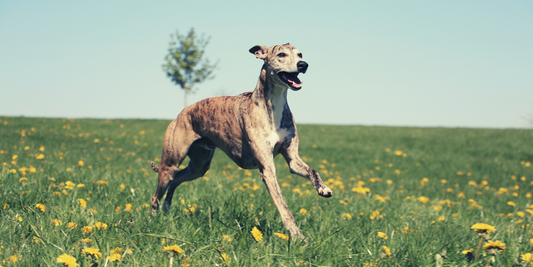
155 168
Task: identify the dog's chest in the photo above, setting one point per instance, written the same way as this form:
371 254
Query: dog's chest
277 136
281 116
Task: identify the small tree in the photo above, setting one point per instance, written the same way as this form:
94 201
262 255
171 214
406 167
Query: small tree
184 63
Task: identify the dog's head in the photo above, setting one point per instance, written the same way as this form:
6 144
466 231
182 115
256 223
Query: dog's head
283 63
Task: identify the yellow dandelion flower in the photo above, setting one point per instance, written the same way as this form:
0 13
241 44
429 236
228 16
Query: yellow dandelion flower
101 225
225 257
441 218
40 156
303 211
129 207
406 230
258 236
83 202
423 199
56 222
101 182
87 229
67 260
92 252
468 251
495 246
173 249
526 258
383 235
511 203
117 250
375 214
86 240
14 258
114 257
282 236
483 228
386 250
226 238
122 186
192 208
381 199
81 163
361 190
346 216
41 207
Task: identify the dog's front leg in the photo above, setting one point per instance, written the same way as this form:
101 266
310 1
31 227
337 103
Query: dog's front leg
299 167
268 175
263 154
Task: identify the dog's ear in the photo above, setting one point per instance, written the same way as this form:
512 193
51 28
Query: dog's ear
260 51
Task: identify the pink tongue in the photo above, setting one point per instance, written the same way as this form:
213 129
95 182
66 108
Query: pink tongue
293 83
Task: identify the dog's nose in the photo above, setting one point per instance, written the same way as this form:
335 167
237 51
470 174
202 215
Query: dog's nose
302 66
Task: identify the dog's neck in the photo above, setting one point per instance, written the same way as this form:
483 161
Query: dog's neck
271 96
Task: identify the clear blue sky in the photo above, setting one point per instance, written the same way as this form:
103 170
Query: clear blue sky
399 63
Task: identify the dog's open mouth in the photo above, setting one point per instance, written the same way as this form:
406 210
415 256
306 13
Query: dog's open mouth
291 79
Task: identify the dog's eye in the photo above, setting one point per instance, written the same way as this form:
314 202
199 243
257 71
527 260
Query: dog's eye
282 55
300 55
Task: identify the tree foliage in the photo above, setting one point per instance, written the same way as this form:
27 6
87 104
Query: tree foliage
185 64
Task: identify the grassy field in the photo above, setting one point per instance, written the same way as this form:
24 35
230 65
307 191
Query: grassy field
402 197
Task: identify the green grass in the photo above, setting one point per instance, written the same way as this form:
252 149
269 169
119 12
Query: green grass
471 175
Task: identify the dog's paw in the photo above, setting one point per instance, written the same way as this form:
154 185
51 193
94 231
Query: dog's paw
325 192
153 212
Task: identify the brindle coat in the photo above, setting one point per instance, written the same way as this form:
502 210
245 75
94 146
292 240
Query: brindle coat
251 128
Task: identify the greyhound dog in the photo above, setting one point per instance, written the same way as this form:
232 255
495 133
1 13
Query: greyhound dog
251 128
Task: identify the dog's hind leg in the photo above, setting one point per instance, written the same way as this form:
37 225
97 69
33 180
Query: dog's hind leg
200 160
178 139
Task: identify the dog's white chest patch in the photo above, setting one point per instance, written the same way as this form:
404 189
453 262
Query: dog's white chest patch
277 136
